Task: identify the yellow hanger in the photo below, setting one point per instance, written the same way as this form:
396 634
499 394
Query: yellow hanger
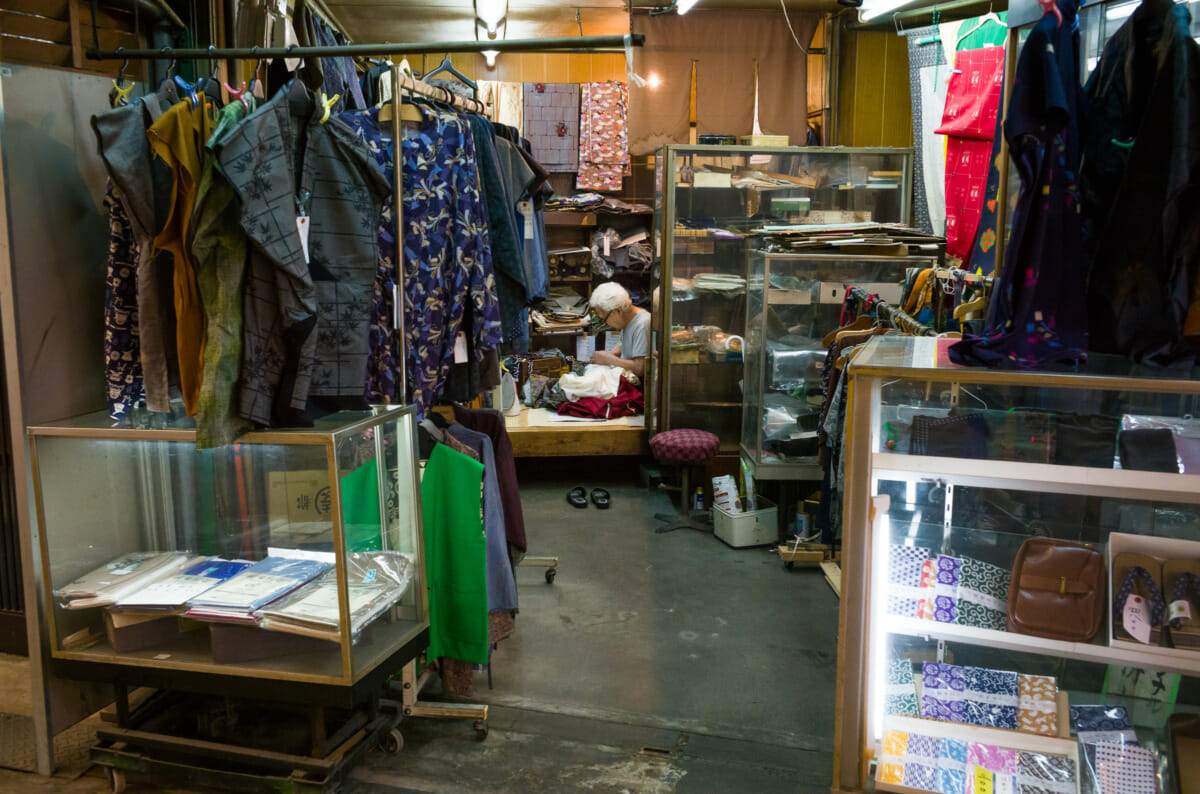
963 309
328 105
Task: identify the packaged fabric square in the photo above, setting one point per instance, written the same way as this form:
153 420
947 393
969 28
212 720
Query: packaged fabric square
1124 769
943 690
904 579
1037 706
948 571
991 698
928 585
891 760
997 765
982 595
1095 724
921 762
952 767
901 694
1045 774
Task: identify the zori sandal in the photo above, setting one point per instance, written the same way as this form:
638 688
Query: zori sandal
577 496
1138 576
600 498
1181 578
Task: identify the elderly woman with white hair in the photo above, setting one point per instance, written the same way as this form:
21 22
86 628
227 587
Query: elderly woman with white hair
611 304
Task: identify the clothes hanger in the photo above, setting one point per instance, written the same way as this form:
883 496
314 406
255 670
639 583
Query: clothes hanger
447 66
239 96
327 103
990 16
1051 7
121 92
862 323
963 309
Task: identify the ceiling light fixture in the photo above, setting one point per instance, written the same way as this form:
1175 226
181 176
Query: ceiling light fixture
491 57
684 6
490 13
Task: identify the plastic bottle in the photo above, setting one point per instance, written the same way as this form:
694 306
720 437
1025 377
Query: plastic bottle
698 504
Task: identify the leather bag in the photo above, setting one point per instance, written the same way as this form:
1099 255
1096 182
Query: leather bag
1057 590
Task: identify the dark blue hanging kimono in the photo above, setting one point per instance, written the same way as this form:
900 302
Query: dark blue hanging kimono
1037 315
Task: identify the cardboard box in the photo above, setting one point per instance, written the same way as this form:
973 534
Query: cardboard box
752 528
238 644
1162 549
129 631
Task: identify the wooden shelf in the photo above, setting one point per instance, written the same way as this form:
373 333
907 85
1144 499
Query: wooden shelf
572 332
569 218
1173 660
569 278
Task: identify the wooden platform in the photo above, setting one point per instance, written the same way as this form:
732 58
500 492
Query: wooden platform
574 440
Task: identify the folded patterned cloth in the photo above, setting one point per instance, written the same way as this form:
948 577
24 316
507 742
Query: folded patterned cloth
944 604
891 761
1124 769
921 762
1045 774
982 595
997 765
904 579
1037 706
1096 724
901 694
944 687
971 695
952 767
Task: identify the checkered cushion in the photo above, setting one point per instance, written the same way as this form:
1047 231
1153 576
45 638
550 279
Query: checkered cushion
685 446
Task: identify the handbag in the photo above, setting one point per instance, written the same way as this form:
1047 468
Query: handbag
1057 590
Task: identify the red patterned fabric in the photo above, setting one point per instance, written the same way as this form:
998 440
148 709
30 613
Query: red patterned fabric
685 446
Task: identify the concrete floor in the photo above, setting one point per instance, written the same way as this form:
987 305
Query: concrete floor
654 663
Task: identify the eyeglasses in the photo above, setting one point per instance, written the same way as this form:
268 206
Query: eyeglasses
608 314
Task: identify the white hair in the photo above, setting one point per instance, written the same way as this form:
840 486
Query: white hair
609 297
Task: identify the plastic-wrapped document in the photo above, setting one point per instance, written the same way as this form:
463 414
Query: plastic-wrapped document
173 592
375 580
120 578
257 586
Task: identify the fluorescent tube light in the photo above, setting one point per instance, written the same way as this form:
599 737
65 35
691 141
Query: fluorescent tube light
684 6
879 8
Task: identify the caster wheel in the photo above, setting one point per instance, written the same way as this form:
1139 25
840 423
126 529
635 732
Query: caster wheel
481 729
392 742
550 574
789 565
116 779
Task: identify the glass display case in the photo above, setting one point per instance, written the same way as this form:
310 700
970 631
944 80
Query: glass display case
292 555
711 205
792 301
965 489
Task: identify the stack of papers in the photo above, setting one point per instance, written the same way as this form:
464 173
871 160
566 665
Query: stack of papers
236 599
720 282
173 592
120 578
376 581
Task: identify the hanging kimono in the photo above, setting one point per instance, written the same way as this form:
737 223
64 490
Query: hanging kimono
603 136
123 383
1141 189
1035 316
551 121
447 256
306 320
969 122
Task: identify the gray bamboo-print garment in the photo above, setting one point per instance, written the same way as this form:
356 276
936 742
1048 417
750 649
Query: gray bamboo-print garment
305 321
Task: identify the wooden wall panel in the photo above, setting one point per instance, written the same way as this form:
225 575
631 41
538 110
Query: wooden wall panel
873 103
528 67
55 32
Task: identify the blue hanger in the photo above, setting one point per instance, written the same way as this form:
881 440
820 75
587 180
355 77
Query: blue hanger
190 88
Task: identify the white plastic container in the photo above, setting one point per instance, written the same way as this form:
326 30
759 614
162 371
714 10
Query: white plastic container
752 528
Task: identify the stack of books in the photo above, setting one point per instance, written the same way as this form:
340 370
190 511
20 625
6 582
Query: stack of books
236 599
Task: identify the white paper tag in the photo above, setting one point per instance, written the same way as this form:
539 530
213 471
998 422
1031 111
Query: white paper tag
460 348
526 210
396 307
302 224
607 246
1136 619
1180 609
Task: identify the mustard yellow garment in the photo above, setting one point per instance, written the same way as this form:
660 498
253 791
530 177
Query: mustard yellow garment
178 138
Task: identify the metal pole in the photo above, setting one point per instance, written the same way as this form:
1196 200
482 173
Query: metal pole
578 44
398 219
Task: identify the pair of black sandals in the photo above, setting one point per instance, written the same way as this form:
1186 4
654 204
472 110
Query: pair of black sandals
577 496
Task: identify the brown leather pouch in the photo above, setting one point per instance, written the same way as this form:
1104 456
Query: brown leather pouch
1057 590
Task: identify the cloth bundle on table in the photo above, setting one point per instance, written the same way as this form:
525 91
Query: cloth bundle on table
627 402
969 122
603 136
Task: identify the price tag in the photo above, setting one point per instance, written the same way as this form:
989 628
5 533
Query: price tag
985 781
607 246
526 210
460 348
1180 609
1136 618
302 225
396 307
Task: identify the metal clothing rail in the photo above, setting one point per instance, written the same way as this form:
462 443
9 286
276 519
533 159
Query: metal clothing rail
577 44
889 315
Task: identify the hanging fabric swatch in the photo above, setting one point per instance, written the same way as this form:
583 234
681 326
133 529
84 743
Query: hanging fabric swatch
969 122
928 154
603 136
122 352
551 116
505 100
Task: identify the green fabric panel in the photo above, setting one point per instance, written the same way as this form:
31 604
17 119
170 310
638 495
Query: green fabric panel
451 501
360 509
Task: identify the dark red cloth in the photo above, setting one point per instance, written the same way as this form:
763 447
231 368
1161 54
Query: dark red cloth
491 424
628 402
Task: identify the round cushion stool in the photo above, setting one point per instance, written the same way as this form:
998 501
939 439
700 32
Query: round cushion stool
687 447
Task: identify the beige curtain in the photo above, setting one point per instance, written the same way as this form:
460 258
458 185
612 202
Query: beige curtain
725 45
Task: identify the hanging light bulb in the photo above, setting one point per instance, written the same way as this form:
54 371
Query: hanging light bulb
490 13
491 57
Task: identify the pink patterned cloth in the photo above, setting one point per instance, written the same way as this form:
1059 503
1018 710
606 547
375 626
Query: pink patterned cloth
603 136
999 760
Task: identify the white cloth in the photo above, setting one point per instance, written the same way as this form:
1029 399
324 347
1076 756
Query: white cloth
933 147
597 380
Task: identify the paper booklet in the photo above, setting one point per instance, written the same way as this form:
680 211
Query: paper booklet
258 585
120 578
173 591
